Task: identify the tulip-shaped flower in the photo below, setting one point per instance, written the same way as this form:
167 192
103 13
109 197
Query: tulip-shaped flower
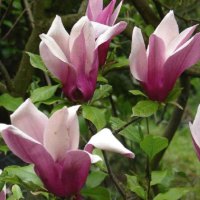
168 55
3 192
194 128
73 59
103 20
52 146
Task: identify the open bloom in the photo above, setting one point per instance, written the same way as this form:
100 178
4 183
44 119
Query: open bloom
52 146
194 128
103 20
167 56
3 192
73 59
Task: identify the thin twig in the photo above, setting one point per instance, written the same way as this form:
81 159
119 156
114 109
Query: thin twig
29 12
15 23
6 12
133 120
112 103
5 74
113 178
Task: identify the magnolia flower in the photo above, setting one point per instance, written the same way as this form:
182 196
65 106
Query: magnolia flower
169 53
103 20
194 128
52 146
3 192
73 59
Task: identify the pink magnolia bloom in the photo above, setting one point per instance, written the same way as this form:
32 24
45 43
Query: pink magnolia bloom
3 192
103 20
52 146
73 59
169 53
194 128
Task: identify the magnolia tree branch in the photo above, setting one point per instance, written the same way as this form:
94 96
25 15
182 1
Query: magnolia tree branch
176 117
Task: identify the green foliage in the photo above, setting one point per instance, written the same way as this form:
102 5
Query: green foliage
172 194
9 102
157 177
95 115
135 187
145 108
16 193
152 144
137 93
98 193
43 93
95 178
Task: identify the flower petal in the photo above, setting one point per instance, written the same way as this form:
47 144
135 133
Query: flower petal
99 28
30 120
180 40
56 136
115 14
82 46
110 33
167 30
59 34
138 57
183 58
75 171
3 191
105 15
105 140
94 8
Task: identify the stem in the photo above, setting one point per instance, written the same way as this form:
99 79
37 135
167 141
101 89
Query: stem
114 110
113 177
5 74
133 120
148 168
176 117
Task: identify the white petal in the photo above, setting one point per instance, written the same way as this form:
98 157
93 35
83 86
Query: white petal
105 140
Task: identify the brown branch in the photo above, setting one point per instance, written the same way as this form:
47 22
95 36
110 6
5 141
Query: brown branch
146 12
9 83
29 12
176 117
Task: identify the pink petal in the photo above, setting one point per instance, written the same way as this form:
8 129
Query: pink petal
30 120
24 146
105 140
99 28
106 14
94 8
82 46
155 60
180 40
59 34
115 14
75 171
3 192
183 58
53 47
56 136
138 57
167 30
110 33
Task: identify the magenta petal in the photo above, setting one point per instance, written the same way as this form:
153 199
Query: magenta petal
30 120
75 171
115 14
183 58
94 8
2 195
106 14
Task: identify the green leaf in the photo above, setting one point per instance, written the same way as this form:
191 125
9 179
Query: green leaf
157 177
173 95
122 62
102 92
43 93
21 175
95 179
130 132
37 62
135 187
95 115
152 144
17 193
98 193
137 93
172 194
10 103
102 79
145 108
4 149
